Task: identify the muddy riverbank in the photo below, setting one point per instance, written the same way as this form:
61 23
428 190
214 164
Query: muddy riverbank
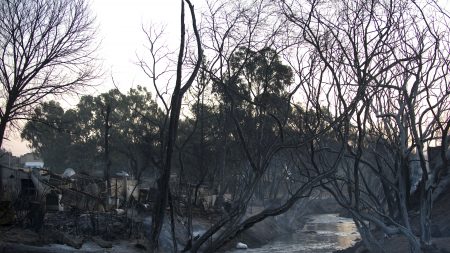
322 233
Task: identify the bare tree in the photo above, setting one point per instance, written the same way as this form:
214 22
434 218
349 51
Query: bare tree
347 55
170 135
243 41
382 65
234 35
45 50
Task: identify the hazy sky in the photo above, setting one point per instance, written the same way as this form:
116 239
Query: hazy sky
120 32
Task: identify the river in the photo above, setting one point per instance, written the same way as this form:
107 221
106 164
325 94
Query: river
322 233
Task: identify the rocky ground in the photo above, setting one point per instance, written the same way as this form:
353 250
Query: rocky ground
68 232
111 232
127 232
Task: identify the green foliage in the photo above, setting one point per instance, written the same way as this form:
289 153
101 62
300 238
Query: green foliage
261 72
47 131
256 77
261 95
74 138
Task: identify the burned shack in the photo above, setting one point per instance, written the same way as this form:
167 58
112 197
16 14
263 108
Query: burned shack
16 182
81 191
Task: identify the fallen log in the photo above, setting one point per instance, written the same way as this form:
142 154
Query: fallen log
102 243
65 238
7 214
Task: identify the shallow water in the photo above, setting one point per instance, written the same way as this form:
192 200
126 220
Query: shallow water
322 233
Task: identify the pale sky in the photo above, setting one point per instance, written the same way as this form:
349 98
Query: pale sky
120 32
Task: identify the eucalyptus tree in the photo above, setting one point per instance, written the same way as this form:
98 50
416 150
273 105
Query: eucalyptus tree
169 129
76 137
49 135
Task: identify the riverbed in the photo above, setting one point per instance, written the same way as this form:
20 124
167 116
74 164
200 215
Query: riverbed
322 233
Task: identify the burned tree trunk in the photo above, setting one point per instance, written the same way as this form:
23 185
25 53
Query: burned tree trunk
175 105
107 176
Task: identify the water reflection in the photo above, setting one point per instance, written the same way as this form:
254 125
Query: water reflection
322 233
